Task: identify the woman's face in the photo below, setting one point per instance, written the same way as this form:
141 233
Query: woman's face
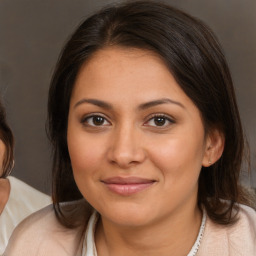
136 141
2 155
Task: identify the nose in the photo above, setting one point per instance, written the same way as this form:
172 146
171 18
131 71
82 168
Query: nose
126 148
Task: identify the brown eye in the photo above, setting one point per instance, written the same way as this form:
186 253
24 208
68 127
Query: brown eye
98 120
95 120
159 121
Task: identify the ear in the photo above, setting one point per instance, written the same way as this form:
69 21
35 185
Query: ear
214 147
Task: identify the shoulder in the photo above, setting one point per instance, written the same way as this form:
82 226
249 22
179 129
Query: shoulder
42 234
22 196
242 235
31 196
247 219
237 239
22 201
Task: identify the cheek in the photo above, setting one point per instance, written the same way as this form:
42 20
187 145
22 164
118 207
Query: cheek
85 153
179 157
86 159
2 155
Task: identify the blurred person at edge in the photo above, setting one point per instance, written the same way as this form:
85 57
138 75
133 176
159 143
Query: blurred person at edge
147 142
17 199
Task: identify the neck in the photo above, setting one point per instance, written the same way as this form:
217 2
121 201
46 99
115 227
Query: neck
4 193
173 235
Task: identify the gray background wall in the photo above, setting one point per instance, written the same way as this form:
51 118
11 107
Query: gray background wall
32 33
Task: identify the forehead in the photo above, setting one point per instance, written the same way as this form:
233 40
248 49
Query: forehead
125 69
123 59
126 79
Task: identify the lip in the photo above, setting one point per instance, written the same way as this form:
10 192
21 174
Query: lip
126 186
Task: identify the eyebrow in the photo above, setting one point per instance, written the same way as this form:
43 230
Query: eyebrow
143 106
98 103
159 102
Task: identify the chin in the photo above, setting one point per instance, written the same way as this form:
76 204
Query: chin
129 216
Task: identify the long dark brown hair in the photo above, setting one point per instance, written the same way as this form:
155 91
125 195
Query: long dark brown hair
194 57
7 137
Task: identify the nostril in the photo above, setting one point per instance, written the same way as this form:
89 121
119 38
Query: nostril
125 150
126 158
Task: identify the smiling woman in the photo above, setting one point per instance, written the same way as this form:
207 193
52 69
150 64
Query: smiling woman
147 141
138 133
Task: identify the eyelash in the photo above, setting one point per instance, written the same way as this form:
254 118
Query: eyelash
162 116
86 120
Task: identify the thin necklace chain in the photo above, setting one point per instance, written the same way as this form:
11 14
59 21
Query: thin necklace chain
89 248
196 245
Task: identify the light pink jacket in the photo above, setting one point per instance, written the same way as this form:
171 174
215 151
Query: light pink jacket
42 235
